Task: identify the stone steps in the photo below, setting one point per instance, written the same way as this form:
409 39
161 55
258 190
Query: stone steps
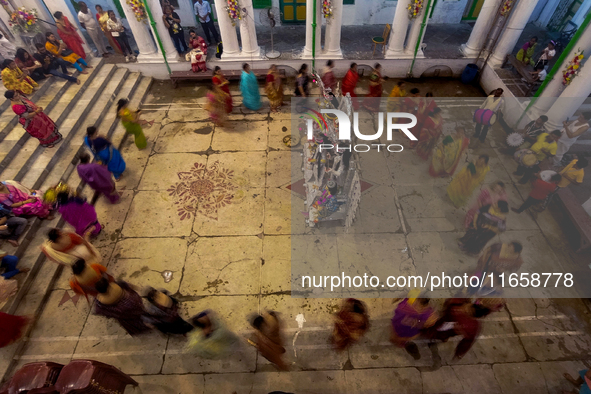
73 108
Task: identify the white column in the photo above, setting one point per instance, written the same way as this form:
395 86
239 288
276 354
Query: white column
227 31
248 33
332 39
481 28
415 37
171 54
149 53
58 5
519 18
399 29
581 12
555 86
307 54
573 96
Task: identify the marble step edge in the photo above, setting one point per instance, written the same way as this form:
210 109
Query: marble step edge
49 82
25 137
31 276
96 114
41 182
36 223
72 105
67 137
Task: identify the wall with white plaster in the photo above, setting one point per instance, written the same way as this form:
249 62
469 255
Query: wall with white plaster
449 11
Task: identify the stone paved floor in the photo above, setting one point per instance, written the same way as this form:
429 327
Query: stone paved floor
237 261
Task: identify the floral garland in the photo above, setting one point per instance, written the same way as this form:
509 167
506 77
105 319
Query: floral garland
507 5
138 8
572 68
327 9
24 21
414 8
233 9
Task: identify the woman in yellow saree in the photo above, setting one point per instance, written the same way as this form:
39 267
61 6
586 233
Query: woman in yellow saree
448 153
395 97
462 186
102 17
14 79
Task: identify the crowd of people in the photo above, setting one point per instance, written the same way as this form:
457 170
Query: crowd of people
207 335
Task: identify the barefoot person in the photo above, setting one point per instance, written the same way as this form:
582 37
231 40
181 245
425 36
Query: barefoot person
11 227
34 120
98 178
582 382
65 248
132 123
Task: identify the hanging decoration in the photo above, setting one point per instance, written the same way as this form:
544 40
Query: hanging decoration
327 10
414 8
138 8
233 9
24 21
4 4
507 5
572 68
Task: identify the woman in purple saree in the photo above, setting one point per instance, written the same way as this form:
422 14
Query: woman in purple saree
79 214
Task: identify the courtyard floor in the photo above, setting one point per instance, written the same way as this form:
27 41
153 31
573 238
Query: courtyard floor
236 261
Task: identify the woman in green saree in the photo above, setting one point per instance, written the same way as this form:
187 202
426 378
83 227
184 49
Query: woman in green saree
526 52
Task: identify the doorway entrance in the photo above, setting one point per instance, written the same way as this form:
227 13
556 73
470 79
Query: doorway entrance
293 11
472 10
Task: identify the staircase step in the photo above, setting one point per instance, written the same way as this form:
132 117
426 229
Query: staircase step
57 109
62 155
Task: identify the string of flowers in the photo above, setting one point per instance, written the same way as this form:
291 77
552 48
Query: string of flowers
24 21
327 9
138 8
233 9
507 5
572 68
414 8
4 4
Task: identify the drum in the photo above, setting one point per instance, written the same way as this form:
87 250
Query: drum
526 158
515 139
485 117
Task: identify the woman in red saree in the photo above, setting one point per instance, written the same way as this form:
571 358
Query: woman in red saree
221 81
375 88
68 34
430 132
32 118
12 328
199 50
351 323
274 88
349 83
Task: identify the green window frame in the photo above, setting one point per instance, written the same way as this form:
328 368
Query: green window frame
348 2
258 4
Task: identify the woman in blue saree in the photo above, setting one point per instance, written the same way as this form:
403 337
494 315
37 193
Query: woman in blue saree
250 89
104 152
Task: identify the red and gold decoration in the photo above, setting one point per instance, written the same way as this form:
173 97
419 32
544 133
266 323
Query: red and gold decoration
138 8
507 5
414 8
233 9
327 10
572 68
23 20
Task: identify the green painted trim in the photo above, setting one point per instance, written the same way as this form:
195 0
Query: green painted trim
423 24
119 9
158 40
559 63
